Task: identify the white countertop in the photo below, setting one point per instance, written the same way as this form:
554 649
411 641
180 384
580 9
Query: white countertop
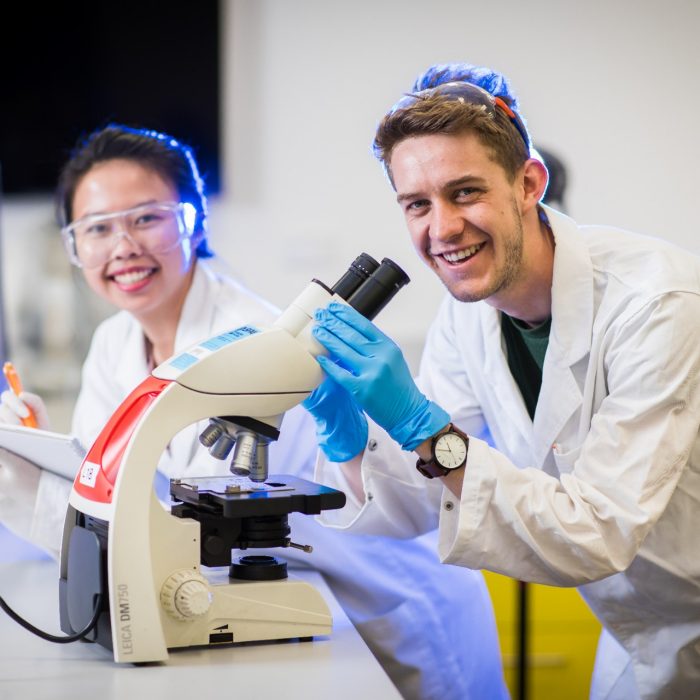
334 667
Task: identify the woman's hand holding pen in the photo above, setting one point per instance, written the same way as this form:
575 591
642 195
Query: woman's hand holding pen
15 408
19 407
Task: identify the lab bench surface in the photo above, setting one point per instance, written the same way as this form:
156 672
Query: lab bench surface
338 666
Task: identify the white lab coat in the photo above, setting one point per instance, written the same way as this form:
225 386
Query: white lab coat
602 489
409 608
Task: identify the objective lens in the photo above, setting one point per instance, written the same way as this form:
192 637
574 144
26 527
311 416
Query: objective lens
359 271
378 289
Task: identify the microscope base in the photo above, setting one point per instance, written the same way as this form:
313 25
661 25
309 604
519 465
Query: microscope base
247 611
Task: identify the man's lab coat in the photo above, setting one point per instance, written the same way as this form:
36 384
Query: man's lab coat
409 608
602 489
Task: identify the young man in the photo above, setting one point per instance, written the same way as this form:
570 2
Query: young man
557 412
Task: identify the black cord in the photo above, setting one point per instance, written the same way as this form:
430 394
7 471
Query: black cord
50 637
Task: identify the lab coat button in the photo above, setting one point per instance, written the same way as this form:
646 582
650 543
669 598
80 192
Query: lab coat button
372 445
449 505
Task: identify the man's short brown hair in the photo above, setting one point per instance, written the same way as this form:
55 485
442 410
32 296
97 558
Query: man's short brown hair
440 114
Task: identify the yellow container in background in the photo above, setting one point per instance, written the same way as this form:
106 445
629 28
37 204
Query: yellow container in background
562 638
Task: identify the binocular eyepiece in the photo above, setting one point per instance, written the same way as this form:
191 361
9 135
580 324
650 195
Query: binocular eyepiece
368 286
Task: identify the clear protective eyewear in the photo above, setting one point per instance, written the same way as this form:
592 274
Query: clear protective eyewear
467 93
155 228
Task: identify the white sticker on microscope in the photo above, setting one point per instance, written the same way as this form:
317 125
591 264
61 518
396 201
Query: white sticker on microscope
88 474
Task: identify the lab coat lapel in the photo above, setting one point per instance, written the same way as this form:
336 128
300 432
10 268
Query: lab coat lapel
132 367
197 318
504 391
196 324
570 335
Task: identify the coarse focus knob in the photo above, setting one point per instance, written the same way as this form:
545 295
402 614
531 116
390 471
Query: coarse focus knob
185 595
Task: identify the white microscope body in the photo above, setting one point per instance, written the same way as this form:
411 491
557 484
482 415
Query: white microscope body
121 546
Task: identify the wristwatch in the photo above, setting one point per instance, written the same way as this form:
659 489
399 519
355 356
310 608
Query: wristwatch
449 452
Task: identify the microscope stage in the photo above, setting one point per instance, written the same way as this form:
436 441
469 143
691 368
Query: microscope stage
238 497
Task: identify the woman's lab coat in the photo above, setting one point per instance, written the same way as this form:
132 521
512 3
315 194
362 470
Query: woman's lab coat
602 489
430 625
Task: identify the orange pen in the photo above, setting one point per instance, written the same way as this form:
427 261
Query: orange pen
15 384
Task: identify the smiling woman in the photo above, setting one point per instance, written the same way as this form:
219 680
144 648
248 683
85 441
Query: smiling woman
142 265
134 219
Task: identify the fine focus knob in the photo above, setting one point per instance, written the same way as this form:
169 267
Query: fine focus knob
185 595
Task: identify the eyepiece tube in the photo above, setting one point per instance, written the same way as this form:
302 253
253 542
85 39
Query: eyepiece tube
359 271
378 289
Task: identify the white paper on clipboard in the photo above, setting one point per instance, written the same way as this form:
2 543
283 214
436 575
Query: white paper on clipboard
58 453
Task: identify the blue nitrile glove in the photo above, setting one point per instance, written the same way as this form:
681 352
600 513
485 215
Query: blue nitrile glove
373 370
341 427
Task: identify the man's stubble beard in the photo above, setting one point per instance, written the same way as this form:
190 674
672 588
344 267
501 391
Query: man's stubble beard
509 273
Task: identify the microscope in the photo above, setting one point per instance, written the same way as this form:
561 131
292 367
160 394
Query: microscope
157 579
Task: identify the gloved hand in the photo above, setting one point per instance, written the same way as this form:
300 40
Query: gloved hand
373 370
341 427
14 408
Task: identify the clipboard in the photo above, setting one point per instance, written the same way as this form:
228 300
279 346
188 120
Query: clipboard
55 452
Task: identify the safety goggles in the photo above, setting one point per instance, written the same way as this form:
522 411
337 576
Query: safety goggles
467 93
154 228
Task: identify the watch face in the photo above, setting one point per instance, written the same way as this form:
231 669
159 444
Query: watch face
450 450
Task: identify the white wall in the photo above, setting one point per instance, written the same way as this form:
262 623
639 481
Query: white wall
612 86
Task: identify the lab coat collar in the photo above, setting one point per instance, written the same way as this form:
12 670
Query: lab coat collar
572 292
498 376
570 334
572 299
197 317
569 341
133 365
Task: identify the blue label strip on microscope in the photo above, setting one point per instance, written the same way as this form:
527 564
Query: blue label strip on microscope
183 361
187 359
218 341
